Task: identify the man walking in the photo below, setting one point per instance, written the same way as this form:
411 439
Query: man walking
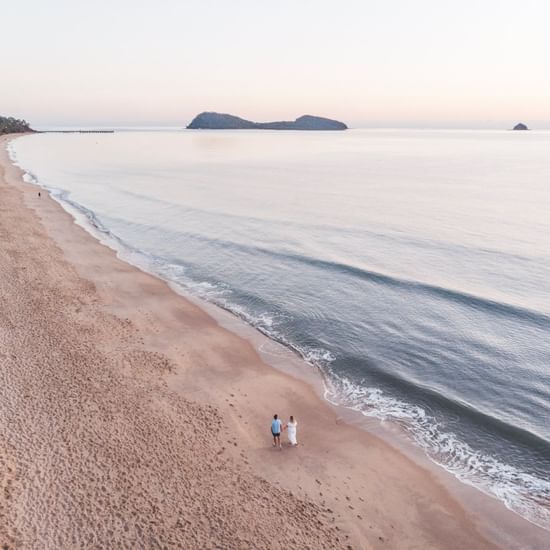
276 427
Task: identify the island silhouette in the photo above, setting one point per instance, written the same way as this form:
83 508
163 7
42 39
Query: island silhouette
223 121
520 126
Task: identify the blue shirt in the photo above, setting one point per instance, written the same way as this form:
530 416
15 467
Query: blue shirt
276 426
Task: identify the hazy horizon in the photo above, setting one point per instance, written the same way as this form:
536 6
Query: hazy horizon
369 64
148 125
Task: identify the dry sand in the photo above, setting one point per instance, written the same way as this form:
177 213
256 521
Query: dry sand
130 419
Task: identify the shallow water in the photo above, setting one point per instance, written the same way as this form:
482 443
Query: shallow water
413 267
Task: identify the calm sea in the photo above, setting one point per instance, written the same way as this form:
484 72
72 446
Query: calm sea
412 267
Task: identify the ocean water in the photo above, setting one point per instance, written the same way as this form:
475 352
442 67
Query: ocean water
412 267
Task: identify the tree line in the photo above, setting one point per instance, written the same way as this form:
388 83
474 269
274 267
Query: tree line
10 125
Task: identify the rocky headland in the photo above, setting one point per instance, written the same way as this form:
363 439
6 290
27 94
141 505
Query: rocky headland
10 125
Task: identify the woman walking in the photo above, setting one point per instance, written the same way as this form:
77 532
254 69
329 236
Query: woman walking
291 431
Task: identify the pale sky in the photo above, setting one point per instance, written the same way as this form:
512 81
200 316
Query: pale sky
375 63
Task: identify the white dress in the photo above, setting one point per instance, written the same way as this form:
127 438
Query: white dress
291 431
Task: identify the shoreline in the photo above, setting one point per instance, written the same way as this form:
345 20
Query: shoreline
213 366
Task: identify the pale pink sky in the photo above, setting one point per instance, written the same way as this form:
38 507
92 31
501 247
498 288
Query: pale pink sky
428 63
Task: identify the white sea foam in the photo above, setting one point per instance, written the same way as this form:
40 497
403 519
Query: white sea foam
12 153
523 493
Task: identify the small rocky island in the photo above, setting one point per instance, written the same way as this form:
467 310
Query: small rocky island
10 125
520 126
221 121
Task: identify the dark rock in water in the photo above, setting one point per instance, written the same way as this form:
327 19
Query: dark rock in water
221 121
520 126
10 125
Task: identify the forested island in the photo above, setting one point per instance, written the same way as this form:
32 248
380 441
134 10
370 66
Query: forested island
222 121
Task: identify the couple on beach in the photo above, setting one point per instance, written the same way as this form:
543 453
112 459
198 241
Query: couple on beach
277 427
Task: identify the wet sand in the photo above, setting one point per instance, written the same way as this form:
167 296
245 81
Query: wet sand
130 418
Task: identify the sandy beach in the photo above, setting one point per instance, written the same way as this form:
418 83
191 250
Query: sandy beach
130 418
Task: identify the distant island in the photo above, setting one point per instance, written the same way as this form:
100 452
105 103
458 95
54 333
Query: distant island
221 121
520 126
10 125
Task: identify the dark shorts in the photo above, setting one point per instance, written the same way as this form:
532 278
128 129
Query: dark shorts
276 435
